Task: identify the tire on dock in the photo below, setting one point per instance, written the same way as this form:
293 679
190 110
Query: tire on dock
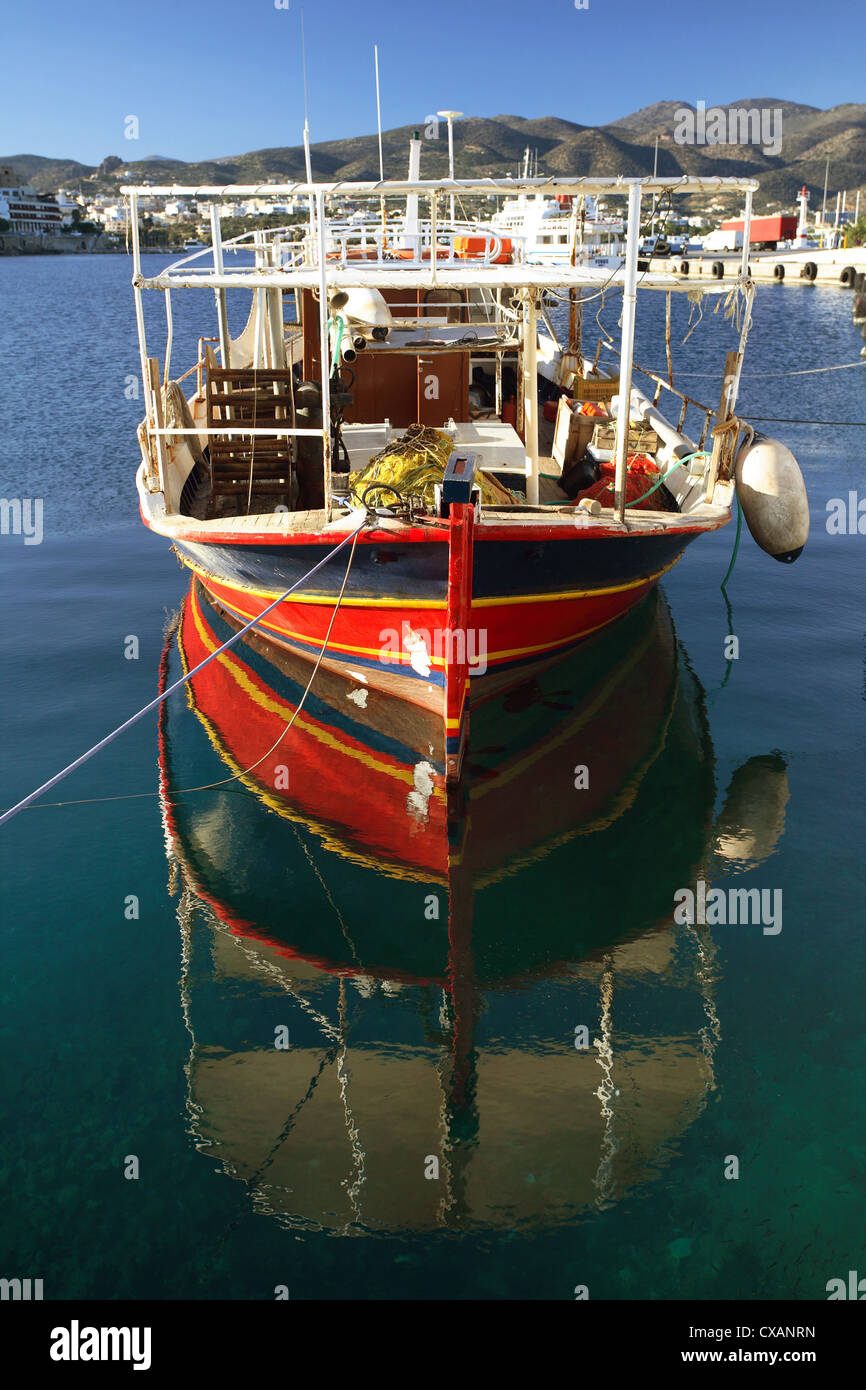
809 271
848 276
778 272
717 270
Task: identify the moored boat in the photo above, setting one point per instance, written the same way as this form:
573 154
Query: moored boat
398 416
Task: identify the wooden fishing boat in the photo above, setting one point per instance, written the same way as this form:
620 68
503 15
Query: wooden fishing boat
410 342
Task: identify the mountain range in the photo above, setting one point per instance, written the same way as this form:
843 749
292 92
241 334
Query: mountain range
495 144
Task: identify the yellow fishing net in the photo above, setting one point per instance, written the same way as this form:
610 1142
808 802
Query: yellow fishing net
414 464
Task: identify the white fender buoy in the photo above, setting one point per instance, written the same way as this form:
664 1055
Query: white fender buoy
752 820
772 494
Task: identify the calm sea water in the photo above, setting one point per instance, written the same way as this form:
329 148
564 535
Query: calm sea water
415 1040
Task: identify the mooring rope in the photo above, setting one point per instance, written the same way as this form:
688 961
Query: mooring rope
178 684
800 371
245 771
789 420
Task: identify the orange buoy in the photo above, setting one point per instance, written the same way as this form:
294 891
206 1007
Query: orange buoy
475 248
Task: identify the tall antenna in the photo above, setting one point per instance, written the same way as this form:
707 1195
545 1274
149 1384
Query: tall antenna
306 103
381 160
379 112
307 161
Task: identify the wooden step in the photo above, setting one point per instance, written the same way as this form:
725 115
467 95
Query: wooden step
260 398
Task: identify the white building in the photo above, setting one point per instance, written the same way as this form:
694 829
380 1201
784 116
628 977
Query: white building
27 210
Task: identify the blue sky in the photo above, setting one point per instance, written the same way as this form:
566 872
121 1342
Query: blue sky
219 77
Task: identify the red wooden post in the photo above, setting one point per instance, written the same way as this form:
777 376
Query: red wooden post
458 614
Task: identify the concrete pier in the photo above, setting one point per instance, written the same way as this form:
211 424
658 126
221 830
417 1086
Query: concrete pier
797 267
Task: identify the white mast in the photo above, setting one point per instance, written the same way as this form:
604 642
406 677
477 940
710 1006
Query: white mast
381 159
378 112
307 161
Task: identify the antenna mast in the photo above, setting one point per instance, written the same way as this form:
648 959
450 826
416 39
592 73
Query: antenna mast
379 128
307 161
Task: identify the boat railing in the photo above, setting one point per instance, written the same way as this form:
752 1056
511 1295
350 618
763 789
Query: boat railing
346 243
330 253
410 248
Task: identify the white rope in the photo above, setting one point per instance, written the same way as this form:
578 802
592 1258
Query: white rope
152 704
803 371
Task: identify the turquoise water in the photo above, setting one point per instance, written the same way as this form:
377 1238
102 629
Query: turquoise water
305 1167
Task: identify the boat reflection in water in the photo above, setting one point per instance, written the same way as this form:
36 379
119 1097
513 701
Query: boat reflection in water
430 956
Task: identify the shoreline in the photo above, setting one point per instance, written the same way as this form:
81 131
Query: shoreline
56 244
89 243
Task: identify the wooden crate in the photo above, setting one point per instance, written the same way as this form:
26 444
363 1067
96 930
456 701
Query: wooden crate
572 433
641 439
594 388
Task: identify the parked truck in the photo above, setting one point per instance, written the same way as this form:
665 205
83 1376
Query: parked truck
725 239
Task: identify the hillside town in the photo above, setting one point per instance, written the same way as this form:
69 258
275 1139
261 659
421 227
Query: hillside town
91 214
25 211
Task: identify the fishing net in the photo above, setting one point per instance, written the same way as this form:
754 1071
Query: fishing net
414 464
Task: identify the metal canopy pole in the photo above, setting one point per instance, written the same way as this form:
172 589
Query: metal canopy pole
324 354
222 317
627 346
530 395
139 307
169 336
747 235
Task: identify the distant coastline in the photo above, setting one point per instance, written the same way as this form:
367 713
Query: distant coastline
91 243
56 244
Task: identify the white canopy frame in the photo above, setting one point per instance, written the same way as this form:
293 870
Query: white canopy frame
313 266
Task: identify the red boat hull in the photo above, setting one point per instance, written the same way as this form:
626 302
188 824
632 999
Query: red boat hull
431 613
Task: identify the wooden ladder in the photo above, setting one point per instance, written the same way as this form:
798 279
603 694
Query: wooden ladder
262 399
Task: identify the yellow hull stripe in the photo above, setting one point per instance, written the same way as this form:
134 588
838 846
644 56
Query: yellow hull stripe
512 599
324 599
331 842
302 637
501 601
282 710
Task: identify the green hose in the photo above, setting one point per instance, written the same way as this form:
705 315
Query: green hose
698 453
338 324
736 543
711 695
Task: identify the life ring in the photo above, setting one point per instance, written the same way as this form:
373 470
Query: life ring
848 276
717 270
778 272
809 271
489 247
